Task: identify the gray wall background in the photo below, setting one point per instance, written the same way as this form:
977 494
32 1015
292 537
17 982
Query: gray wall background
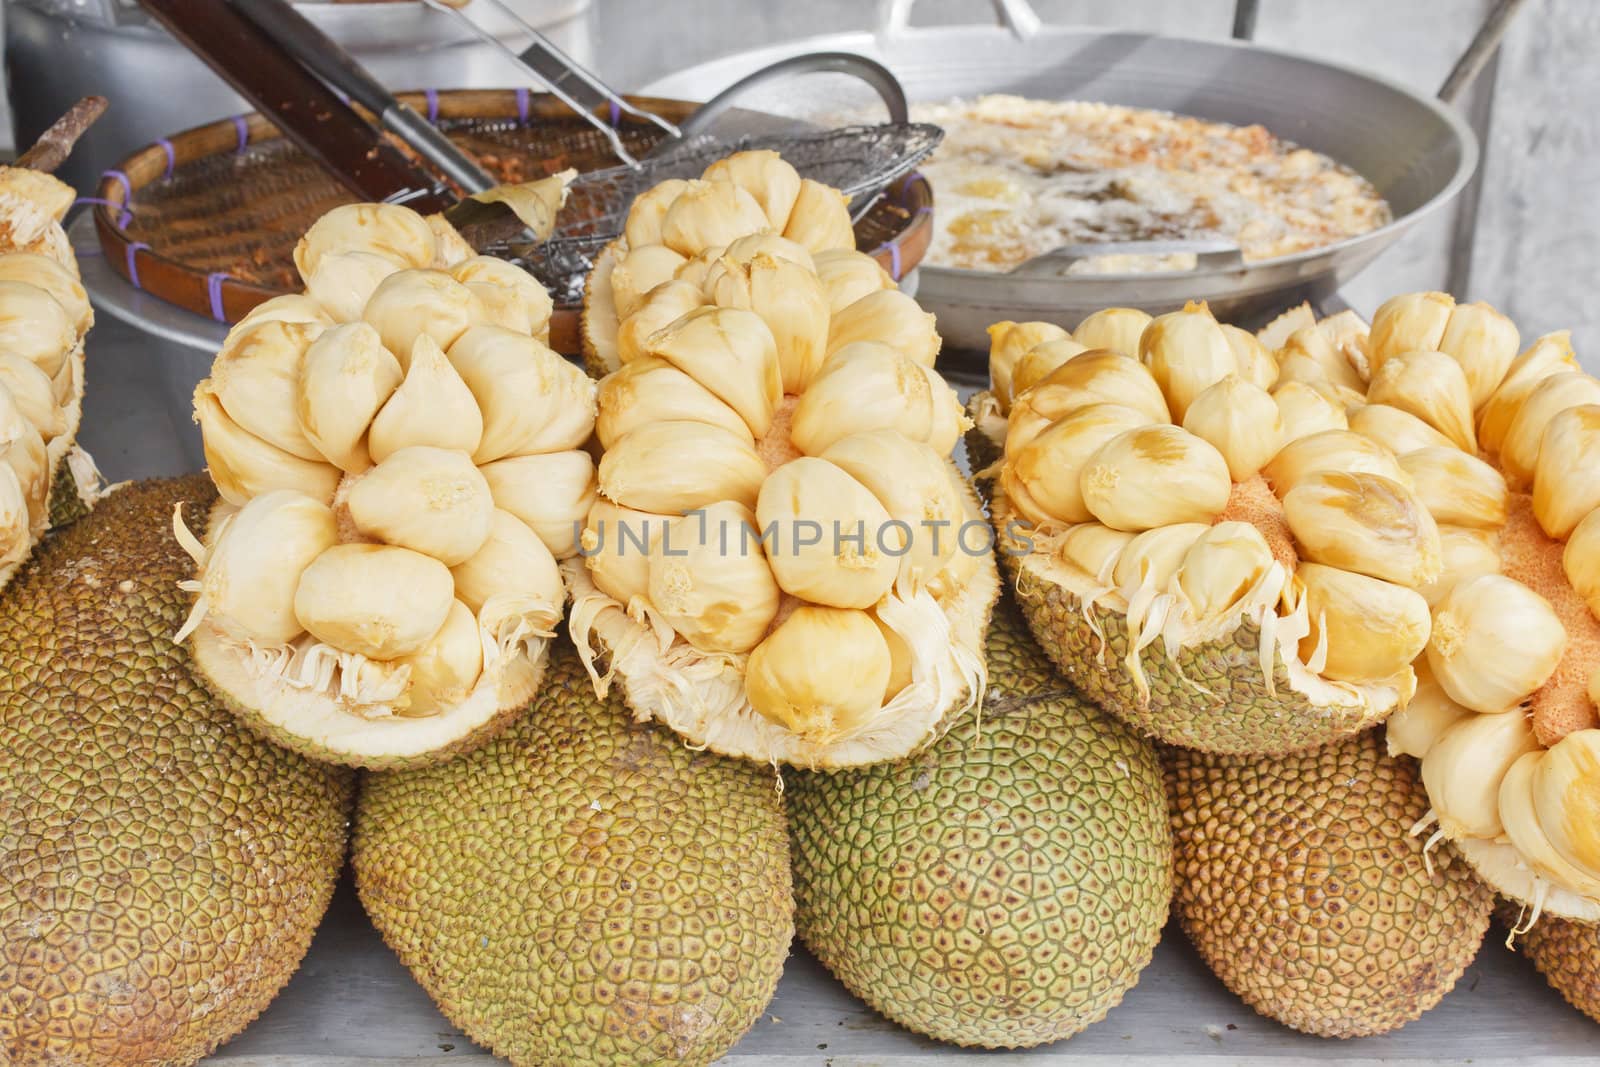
1527 238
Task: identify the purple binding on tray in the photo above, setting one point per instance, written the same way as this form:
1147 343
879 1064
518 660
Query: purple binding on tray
214 294
242 125
432 97
522 106
172 156
133 262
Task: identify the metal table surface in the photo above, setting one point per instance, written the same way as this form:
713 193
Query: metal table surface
353 1005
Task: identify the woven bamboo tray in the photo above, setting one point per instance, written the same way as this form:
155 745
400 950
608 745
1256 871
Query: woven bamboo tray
208 218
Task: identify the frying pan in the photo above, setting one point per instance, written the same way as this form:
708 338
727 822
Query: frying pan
1416 150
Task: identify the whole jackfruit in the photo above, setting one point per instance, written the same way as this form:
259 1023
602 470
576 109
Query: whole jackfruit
1300 884
583 890
1003 888
1566 953
161 868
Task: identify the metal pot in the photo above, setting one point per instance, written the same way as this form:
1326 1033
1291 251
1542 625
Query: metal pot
59 50
1416 151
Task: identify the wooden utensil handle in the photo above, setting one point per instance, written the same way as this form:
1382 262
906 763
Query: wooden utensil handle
55 144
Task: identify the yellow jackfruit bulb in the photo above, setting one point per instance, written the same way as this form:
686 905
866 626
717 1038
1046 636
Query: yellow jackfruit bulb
709 579
660 308
740 253
1041 479
1464 552
256 380
1155 476
1221 568
1153 557
616 544
512 563
1330 450
343 283
1412 730
789 298
1519 816
33 394
1566 793
649 209
672 467
1114 329
1256 365
1519 452
651 390
1458 488
833 543
509 296
1566 476
1398 431
249 577
430 500
870 386
1312 346
1187 353
1367 629
1431 386
377 601
421 303
1095 377
290 307
1408 323
532 400
243 465
1008 342
1548 355
820 220
1039 361
1464 768
450 249
62 284
1306 410
389 230
640 270
445 670
730 352
1484 342
888 317
35 326
848 275
1494 642
431 406
766 176
1095 549
345 379
710 214
1364 523
1241 421
821 674
914 484
1580 560
552 493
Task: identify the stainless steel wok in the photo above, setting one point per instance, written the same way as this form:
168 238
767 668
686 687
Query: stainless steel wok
1417 151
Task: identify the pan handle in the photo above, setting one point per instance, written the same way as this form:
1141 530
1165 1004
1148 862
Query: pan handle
1017 16
1210 254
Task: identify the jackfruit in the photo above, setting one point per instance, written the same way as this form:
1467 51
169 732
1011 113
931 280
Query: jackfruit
583 890
161 868
1566 953
1301 886
907 874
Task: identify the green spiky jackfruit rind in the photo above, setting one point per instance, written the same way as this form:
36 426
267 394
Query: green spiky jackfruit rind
1302 887
1005 887
583 890
162 869
1214 699
1566 953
